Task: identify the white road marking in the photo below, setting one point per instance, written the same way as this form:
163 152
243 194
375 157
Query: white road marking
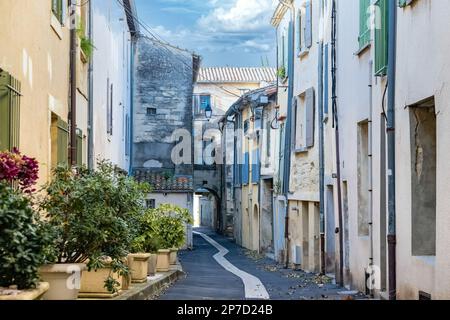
254 288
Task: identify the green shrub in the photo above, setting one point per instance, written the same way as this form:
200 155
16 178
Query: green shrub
22 240
93 214
147 240
170 224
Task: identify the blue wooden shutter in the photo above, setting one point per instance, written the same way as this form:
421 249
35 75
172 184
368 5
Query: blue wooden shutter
308 24
299 31
326 80
245 169
309 115
255 166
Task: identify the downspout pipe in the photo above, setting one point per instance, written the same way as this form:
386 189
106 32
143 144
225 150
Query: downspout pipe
132 58
288 134
391 238
370 164
91 94
73 85
321 162
339 230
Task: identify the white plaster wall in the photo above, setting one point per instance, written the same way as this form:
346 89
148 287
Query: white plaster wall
423 70
111 60
353 92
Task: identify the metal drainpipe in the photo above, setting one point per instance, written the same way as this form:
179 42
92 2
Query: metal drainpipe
391 238
321 163
91 95
133 49
370 155
288 131
73 86
338 158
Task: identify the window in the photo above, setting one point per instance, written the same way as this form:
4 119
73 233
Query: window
299 32
304 120
304 28
60 141
79 147
381 38
246 126
404 3
255 166
245 169
364 23
127 135
58 8
150 203
308 24
205 101
9 111
200 102
151 111
423 139
109 109
363 179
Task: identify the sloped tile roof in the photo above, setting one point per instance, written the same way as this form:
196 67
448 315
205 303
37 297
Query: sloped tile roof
237 75
161 183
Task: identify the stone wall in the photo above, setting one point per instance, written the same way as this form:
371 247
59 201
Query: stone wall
162 104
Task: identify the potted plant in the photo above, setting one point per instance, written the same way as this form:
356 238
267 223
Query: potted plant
22 246
171 231
23 239
147 242
94 215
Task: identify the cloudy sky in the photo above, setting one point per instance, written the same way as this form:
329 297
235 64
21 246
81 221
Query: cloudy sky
223 32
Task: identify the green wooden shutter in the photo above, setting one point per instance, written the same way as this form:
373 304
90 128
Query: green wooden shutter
364 21
57 9
63 142
381 39
9 112
79 148
404 3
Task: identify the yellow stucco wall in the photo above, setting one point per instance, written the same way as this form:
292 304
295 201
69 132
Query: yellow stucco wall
35 50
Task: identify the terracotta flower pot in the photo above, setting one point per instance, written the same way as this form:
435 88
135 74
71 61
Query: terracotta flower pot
152 261
163 262
29 294
138 263
93 283
64 280
173 256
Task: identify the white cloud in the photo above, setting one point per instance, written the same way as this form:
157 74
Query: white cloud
238 16
256 46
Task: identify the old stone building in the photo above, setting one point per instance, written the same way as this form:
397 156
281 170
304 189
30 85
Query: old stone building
162 148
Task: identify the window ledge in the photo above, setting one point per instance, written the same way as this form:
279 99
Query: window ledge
56 26
429 260
301 150
363 49
303 53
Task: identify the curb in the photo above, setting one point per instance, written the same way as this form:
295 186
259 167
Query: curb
154 285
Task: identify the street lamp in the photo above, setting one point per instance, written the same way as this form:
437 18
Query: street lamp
208 112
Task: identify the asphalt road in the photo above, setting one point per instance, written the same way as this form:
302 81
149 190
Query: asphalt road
206 279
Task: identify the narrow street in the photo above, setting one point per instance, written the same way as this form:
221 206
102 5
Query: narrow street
206 279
